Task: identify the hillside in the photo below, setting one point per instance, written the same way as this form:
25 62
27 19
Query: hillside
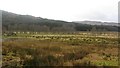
97 23
16 22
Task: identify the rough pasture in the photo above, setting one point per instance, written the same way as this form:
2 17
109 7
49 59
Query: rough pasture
58 49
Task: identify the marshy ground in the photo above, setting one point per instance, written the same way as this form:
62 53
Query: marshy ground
60 49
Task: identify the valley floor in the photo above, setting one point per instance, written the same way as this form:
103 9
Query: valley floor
52 49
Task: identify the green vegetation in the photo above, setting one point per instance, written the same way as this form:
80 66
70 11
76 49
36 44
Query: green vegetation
33 41
60 49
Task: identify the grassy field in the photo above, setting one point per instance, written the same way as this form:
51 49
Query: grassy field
60 49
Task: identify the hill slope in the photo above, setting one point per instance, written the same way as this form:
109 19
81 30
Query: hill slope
97 23
16 22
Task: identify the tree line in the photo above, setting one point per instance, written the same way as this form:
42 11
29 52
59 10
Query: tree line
15 22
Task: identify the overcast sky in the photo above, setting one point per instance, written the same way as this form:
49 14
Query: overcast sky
67 10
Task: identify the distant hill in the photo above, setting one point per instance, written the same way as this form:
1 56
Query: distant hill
17 22
97 23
